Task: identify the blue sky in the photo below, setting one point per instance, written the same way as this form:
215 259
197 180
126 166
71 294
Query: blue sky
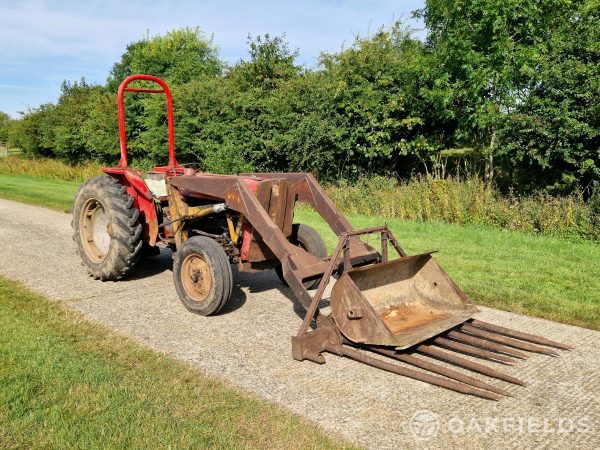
45 42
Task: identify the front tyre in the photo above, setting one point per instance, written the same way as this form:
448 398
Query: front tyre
106 228
202 275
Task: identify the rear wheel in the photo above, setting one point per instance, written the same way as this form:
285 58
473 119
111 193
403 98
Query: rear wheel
309 239
106 228
202 275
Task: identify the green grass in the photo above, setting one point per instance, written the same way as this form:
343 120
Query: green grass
541 276
55 194
68 383
537 275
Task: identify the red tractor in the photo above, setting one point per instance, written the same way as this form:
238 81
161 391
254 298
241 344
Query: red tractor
394 307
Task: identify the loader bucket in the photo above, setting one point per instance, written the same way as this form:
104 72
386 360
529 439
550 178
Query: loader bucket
409 313
398 303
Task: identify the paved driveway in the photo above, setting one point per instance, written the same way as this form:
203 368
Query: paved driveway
249 346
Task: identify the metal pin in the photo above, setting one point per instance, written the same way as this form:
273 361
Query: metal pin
440 370
473 351
410 373
466 364
470 339
507 341
520 335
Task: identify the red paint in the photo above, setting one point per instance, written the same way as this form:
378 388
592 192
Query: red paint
122 134
246 239
142 199
132 179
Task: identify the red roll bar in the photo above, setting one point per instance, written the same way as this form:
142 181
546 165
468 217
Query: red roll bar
165 90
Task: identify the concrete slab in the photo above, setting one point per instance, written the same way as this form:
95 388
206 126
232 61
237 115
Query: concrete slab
249 345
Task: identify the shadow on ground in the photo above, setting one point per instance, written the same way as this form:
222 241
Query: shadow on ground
257 282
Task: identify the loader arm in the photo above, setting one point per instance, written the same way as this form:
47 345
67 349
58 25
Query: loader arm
309 191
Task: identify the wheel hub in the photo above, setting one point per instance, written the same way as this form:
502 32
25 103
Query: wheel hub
197 279
95 230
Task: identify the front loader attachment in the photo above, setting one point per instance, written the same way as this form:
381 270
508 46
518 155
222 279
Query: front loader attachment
406 315
403 316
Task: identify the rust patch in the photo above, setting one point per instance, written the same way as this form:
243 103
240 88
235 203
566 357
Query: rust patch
400 318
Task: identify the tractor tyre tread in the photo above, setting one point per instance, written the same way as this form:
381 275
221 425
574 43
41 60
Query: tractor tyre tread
222 278
125 228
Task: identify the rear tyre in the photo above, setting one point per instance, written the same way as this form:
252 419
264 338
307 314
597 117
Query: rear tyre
309 239
106 228
202 275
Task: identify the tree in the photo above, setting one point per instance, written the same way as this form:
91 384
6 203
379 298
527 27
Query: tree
34 132
552 138
180 56
389 103
271 63
489 49
5 122
71 113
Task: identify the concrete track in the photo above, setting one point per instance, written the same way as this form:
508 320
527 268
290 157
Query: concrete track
249 346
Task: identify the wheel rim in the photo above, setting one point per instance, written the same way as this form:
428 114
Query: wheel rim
95 230
196 277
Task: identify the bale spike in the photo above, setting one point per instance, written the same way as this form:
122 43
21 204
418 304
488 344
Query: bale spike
466 364
473 351
440 370
478 332
520 335
410 373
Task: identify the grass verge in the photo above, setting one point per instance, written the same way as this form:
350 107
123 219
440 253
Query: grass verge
547 277
541 276
66 382
55 194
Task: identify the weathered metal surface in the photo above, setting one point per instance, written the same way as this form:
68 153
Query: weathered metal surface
486 345
404 302
408 297
466 363
507 341
472 351
410 373
520 335
440 370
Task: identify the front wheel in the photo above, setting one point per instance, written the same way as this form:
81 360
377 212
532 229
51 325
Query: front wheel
309 239
202 275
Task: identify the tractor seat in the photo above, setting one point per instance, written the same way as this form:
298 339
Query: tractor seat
157 187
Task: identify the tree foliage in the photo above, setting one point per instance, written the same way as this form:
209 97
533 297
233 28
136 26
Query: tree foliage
552 138
516 80
524 75
180 56
5 123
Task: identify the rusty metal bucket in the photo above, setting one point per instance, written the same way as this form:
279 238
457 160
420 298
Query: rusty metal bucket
398 303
